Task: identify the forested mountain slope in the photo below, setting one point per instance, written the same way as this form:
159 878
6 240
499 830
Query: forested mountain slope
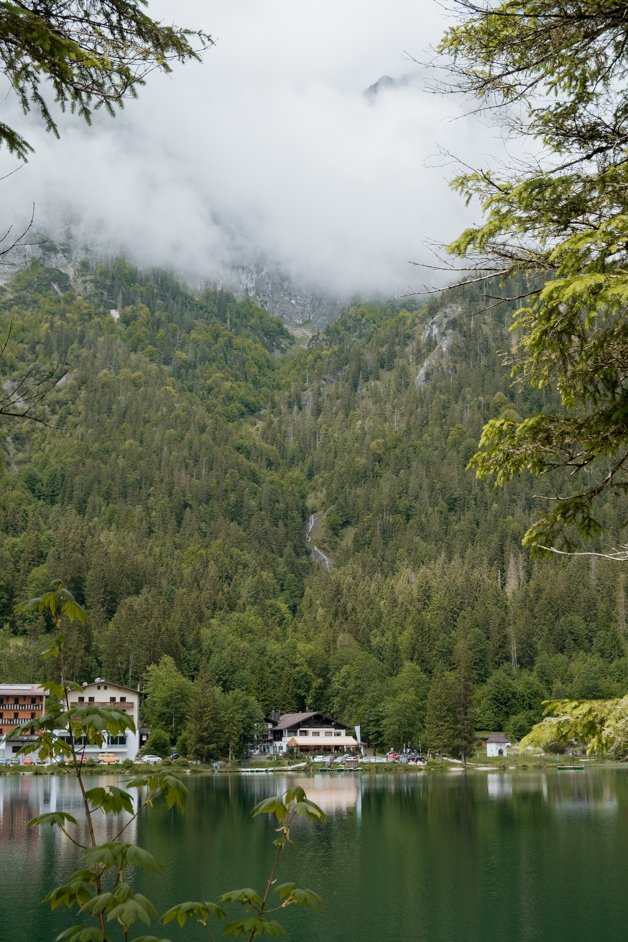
192 441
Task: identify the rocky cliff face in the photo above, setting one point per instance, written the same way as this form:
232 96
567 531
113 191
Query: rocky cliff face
18 257
292 303
262 281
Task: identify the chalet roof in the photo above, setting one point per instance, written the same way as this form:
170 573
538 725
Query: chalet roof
288 720
498 738
21 690
110 683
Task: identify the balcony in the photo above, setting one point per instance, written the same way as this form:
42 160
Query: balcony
125 707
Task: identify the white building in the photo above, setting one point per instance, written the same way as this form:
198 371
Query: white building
310 732
497 745
102 693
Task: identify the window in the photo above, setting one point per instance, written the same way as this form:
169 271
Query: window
328 732
112 699
117 740
337 732
91 699
32 716
302 732
81 699
122 699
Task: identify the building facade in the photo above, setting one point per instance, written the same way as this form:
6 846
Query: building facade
19 703
311 732
102 693
497 745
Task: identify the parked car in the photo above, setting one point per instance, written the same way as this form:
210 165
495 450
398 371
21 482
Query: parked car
151 760
174 755
108 758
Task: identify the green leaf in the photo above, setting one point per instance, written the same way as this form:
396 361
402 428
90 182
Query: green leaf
193 910
59 818
291 893
136 909
303 897
57 601
246 896
111 800
294 795
138 857
273 805
81 934
284 889
254 926
76 892
98 904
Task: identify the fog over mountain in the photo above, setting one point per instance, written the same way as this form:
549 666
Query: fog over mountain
268 155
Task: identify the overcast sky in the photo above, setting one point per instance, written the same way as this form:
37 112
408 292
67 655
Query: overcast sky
269 147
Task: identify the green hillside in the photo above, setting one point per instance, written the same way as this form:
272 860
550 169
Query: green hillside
185 451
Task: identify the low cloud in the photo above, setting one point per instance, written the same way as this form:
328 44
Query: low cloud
269 149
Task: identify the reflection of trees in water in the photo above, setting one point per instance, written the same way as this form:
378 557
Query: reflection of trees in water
572 791
556 789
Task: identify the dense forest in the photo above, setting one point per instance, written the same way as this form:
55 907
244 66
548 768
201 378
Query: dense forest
192 454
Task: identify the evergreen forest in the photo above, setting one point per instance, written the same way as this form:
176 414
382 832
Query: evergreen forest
255 523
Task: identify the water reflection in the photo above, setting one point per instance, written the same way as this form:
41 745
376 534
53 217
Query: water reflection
334 793
24 797
17 807
529 856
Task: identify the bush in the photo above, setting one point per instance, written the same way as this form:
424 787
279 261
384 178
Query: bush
158 743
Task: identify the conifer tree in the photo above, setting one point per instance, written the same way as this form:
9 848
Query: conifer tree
83 55
441 717
558 72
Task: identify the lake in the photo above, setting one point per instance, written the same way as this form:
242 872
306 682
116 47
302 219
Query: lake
428 857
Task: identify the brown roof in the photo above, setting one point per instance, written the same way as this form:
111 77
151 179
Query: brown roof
111 683
288 720
21 690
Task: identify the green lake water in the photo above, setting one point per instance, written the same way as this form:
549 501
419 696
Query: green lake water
525 857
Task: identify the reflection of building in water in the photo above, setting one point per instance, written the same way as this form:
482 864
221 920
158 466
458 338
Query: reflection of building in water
332 792
522 784
499 786
26 797
17 807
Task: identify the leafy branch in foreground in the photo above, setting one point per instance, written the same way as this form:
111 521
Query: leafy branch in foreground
259 906
599 725
557 73
84 55
101 887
